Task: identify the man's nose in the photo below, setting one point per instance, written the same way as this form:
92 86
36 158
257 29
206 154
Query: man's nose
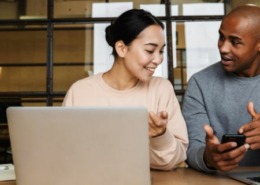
224 46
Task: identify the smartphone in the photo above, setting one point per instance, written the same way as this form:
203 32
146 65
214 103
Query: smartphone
238 138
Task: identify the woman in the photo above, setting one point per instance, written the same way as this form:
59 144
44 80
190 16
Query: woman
137 39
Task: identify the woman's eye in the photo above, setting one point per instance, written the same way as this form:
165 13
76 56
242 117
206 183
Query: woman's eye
149 51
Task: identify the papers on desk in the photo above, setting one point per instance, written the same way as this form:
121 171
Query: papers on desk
7 172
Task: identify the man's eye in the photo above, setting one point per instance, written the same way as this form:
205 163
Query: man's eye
235 42
221 37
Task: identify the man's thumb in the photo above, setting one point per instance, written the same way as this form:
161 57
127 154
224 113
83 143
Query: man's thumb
251 110
209 132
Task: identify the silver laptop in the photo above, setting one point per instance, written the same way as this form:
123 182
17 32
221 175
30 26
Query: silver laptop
248 177
80 145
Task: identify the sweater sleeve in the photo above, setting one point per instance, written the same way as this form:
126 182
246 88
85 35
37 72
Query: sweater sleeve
169 150
68 100
195 114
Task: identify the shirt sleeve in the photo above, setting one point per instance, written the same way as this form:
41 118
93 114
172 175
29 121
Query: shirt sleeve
195 115
68 99
168 151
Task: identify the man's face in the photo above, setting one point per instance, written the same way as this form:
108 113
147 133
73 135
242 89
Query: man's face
238 46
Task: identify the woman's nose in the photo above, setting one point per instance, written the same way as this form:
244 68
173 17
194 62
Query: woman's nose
158 59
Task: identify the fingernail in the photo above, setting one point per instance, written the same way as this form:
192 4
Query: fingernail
233 144
247 146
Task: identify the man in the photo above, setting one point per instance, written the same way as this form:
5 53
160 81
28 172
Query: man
224 98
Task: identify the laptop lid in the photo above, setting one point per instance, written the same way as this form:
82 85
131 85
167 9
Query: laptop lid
80 145
248 177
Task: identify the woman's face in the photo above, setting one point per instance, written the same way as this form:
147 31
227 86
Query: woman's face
145 53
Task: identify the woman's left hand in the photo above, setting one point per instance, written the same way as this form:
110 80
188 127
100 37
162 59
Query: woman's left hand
157 123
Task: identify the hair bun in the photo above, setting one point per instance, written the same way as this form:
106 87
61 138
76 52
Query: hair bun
110 35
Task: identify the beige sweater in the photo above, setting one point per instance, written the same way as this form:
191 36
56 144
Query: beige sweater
166 151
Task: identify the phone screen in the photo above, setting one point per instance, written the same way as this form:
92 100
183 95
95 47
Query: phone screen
238 138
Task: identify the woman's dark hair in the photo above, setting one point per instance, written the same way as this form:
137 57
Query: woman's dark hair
128 26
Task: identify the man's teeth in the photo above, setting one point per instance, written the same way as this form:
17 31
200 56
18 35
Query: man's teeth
226 58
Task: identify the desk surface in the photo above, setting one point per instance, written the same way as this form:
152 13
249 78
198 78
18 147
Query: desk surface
187 176
183 176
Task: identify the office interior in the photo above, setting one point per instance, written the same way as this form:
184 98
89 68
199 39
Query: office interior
46 45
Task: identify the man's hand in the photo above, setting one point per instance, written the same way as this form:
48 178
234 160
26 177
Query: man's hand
157 123
252 129
223 157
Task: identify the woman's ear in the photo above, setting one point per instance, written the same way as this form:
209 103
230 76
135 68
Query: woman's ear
121 48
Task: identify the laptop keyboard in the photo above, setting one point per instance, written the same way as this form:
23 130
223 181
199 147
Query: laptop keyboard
256 179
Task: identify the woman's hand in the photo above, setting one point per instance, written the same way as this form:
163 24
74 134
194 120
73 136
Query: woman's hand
157 123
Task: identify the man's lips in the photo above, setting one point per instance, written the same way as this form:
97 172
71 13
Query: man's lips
226 60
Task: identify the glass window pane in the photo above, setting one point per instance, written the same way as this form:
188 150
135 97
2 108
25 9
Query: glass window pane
229 5
199 3
23 9
22 60
84 8
15 79
35 9
73 54
8 10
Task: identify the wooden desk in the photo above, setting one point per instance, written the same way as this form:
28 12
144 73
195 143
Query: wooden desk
8 183
187 176
182 176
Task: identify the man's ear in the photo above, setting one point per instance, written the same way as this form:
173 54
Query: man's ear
258 45
121 48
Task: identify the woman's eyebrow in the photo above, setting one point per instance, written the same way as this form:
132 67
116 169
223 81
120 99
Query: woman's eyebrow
153 44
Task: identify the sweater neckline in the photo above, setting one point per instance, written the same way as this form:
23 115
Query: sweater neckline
107 87
246 79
